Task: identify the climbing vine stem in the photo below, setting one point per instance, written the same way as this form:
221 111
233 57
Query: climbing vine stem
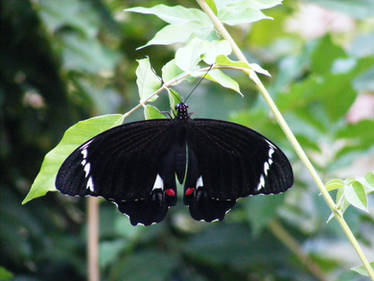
290 136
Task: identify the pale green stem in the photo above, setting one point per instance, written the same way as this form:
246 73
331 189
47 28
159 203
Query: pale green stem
287 131
279 232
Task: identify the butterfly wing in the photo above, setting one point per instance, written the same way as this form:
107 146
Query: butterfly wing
131 165
228 161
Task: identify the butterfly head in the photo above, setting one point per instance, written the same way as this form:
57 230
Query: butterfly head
182 111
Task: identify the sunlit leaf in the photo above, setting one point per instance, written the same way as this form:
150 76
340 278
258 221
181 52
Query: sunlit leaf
175 14
334 184
188 57
255 4
355 195
212 6
259 69
173 33
215 48
73 137
240 13
225 61
224 80
369 177
174 99
170 71
147 81
362 270
151 112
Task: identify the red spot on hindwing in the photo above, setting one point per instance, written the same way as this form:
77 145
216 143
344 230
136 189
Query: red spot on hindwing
170 192
189 191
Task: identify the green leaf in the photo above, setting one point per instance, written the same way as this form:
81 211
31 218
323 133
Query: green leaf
365 81
324 54
109 251
5 275
369 177
86 54
262 209
170 71
334 184
73 137
175 14
224 80
173 33
150 265
259 69
225 61
359 131
148 82
187 58
332 94
215 48
255 4
240 13
68 13
212 6
355 195
151 112
362 270
174 99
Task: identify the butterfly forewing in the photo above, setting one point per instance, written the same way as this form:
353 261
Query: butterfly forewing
260 167
122 165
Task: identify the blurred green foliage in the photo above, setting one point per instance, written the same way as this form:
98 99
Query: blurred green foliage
64 61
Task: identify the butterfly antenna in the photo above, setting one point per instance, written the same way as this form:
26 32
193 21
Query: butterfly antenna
198 83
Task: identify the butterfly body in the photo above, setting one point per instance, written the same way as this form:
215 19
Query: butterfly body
135 166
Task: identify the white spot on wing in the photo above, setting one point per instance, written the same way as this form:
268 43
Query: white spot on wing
199 182
86 169
90 184
84 153
83 162
266 168
267 165
261 184
271 151
159 183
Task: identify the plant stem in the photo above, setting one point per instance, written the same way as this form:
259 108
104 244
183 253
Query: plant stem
93 239
278 231
292 139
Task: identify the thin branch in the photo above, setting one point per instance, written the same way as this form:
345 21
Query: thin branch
93 239
292 139
278 231
168 84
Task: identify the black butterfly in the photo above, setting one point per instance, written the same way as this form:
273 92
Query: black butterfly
135 166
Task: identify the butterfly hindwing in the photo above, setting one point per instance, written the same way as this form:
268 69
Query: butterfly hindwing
127 165
233 161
